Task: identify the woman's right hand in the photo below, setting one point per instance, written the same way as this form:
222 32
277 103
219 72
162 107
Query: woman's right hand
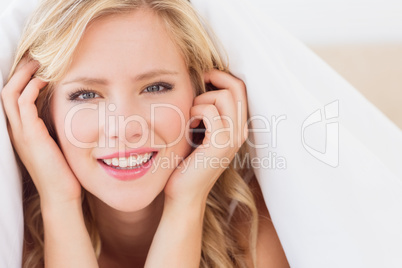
53 178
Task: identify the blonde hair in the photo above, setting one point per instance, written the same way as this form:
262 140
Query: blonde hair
51 36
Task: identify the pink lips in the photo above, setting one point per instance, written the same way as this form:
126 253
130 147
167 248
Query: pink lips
128 174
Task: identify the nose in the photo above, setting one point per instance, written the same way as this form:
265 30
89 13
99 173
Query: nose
125 125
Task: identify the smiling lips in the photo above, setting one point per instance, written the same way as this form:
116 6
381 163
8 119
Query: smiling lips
129 165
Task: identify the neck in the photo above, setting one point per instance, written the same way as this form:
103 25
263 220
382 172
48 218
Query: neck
127 237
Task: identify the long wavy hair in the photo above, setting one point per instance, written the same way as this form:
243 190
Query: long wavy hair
51 37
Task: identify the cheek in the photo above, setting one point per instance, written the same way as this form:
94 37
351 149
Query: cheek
169 121
85 125
77 130
78 126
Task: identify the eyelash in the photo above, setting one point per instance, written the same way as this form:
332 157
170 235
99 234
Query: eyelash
167 87
74 96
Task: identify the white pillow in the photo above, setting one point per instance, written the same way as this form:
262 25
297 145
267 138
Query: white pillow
12 21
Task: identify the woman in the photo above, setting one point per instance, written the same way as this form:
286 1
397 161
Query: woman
118 171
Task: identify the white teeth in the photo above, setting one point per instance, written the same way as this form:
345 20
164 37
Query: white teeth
129 162
122 162
132 161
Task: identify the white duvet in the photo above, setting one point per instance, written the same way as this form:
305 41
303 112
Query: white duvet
331 169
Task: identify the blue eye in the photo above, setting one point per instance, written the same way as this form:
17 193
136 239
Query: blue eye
83 94
158 88
87 95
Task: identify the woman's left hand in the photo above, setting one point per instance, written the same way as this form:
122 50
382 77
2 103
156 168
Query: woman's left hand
224 114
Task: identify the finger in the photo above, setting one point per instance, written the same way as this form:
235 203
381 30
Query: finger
10 133
195 121
22 76
12 91
224 80
24 60
238 89
223 100
213 124
26 102
236 86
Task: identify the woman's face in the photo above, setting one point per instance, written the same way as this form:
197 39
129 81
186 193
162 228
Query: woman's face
128 89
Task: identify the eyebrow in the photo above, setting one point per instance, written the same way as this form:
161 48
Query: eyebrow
100 81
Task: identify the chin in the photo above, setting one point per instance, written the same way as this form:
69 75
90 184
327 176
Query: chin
129 207
131 202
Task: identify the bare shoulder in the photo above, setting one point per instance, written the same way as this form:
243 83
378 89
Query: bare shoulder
269 249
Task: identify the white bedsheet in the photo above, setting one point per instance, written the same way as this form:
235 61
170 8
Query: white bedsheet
341 208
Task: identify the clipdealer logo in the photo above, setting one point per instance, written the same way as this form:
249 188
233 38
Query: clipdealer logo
330 154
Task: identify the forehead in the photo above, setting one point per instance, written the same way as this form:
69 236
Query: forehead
132 42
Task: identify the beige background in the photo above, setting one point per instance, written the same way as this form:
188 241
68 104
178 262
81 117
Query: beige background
374 69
